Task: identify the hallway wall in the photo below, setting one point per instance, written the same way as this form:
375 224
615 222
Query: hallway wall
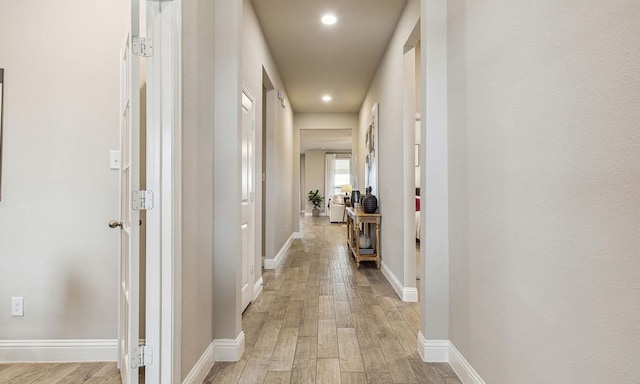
58 193
197 317
544 144
387 89
282 158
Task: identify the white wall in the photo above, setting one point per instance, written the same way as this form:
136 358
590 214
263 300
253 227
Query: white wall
314 176
197 189
61 64
282 158
544 105
387 89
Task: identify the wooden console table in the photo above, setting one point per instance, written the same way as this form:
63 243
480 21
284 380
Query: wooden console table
354 220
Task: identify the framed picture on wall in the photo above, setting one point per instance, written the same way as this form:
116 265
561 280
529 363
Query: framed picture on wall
1 120
371 154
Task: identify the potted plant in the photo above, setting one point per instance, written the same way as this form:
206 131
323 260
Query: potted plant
316 199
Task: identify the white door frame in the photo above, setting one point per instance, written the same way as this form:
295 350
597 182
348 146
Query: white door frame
252 198
164 165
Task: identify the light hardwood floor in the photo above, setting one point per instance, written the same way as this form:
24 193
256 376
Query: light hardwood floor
59 373
321 320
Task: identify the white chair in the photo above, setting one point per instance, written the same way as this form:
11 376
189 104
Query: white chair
336 209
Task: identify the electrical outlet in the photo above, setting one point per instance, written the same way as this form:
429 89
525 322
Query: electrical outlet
17 306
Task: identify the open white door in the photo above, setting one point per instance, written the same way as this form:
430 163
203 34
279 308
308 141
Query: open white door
248 197
129 291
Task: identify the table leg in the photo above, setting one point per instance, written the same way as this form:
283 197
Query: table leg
378 244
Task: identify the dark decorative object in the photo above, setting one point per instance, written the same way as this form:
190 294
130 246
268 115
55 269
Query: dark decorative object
369 202
355 197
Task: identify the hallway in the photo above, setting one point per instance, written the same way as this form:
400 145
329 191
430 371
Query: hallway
320 320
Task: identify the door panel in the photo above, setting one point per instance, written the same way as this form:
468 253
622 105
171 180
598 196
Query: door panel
129 182
247 198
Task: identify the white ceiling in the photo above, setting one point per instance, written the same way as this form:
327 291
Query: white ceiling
329 139
315 59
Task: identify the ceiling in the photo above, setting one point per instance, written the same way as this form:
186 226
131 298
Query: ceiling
315 59
329 139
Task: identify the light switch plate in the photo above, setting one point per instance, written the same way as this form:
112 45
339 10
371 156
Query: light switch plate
17 306
114 159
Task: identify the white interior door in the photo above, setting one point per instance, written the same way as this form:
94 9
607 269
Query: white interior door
129 222
248 197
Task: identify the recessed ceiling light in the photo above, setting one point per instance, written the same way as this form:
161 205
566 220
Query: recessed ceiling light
326 98
329 19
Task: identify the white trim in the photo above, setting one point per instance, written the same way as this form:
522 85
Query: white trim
199 371
410 295
433 351
229 349
462 368
280 257
407 294
257 288
297 235
58 350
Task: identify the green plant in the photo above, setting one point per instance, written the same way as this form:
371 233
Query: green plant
315 198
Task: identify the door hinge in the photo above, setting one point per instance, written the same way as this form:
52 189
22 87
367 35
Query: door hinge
143 358
142 46
142 200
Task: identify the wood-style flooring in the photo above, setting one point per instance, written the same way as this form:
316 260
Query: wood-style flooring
60 373
321 320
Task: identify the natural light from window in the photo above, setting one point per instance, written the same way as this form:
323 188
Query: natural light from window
342 174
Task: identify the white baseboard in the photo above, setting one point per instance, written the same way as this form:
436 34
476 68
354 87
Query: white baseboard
443 351
58 350
407 294
282 254
462 368
297 235
200 371
410 295
229 349
257 288
433 351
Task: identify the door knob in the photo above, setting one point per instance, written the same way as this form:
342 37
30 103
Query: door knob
115 224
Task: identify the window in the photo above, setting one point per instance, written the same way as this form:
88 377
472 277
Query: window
342 174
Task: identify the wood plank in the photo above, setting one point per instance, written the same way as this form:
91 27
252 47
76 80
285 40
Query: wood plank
327 339
254 371
364 331
349 351
267 339
379 321
304 371
374 362
306 348
404 333
326 310
343 314
25 373
277 378
294 314
284 351
353 378
398 365
328 371
82 373
309 323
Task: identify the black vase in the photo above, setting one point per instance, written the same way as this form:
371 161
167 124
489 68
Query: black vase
369 202
355 197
